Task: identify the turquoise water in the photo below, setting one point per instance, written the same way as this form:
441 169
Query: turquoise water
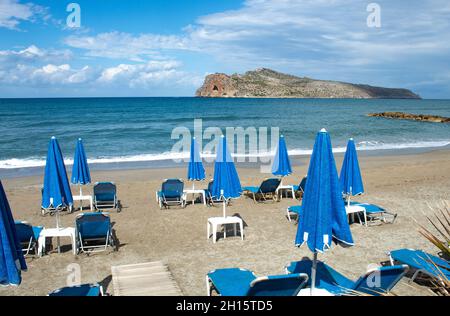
139 129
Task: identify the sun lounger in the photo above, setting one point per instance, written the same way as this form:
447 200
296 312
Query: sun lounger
242 282
94 232
79 290
105 196
375 213
422 262
210 199
171 193
294 210
267 189
28 236
374 282
300 189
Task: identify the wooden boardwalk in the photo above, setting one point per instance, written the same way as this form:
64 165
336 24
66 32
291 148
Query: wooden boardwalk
144 279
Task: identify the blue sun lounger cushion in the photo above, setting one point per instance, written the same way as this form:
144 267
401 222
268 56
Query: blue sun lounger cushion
105 196
94 232
294 210
79 290
242 282
422 262
374 282
171 193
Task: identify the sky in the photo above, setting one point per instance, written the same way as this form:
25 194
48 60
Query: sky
167 47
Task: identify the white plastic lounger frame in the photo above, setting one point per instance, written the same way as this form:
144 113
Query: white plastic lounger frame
381 216
31 245
96 248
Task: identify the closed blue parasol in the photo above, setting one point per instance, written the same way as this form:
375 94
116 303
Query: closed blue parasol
56 192
196 172
323 216
350 178
281 165
11 256
80 170
226 180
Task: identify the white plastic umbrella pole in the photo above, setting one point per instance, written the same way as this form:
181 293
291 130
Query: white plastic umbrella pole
193 195
313 274
81 190
349 196
224 204
56 211
57 218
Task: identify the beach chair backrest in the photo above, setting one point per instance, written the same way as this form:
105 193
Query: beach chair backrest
172 188
381 280
269 185
210 186
80 290
24 231
93 225
105 191
302 185
278 285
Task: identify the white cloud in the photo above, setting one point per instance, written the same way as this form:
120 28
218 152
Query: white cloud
297 33
36 67
152 73
32 54
50 75
118 45
12 13
326 39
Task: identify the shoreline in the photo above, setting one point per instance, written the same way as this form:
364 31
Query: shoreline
296 160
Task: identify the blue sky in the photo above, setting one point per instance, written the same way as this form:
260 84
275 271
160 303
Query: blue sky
165 48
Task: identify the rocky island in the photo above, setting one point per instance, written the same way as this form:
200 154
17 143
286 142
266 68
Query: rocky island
267 83
415 117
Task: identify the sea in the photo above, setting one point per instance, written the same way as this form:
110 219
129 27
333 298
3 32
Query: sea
148 132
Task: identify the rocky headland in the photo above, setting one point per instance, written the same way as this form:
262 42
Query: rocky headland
267 83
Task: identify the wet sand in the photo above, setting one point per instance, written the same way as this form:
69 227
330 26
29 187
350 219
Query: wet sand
403 184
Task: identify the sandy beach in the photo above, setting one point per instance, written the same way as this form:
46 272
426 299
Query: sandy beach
403 184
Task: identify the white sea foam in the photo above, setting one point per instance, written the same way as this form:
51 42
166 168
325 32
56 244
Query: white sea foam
15 163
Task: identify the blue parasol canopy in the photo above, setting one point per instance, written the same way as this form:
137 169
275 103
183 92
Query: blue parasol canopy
56 192
323 217
281 165
11 256
350 178
80 170
226 182
196 172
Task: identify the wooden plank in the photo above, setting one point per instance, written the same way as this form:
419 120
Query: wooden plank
144 279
